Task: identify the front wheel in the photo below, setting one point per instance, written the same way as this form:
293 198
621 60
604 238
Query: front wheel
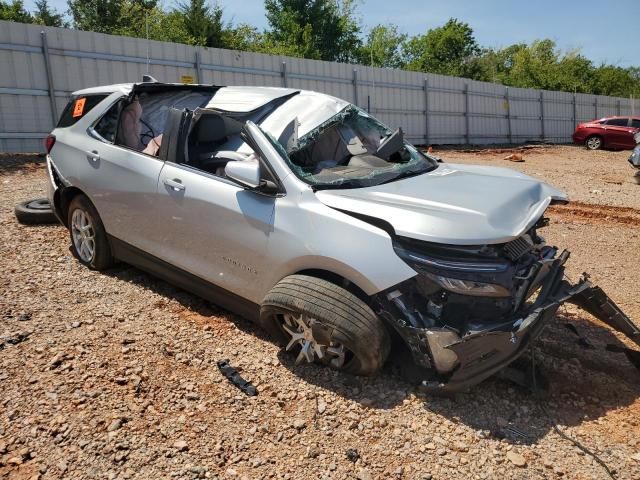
323 323
594 142
89 240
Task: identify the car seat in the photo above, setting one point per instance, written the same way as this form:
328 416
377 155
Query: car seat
207 136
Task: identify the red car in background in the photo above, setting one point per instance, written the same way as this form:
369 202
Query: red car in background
609 132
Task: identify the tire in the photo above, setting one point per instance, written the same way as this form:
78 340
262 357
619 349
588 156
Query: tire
91 249
594 142
35 212
342 326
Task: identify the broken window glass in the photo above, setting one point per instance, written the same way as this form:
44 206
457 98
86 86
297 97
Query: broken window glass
352 149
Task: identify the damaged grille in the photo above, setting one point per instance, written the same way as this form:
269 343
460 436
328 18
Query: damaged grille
518 247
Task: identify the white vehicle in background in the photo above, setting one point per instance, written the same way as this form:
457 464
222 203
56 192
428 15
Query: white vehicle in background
303 212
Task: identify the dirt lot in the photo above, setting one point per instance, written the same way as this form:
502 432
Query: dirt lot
113 375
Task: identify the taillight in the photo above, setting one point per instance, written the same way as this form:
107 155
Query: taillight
49 142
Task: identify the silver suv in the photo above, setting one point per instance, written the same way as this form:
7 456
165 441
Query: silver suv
303 212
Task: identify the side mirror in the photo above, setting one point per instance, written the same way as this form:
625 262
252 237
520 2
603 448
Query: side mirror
246 173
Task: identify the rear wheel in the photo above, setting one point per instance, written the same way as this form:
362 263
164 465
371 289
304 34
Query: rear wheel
89 240
323 323
594 142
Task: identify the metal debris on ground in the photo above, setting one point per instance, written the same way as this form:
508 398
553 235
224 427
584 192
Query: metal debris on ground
352 454
514 157
14 338
235 378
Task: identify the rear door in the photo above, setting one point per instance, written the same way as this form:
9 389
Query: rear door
121 182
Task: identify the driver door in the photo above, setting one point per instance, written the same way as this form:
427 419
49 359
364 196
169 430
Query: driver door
209 226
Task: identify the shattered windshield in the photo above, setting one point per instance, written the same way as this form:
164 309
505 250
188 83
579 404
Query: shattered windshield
352 149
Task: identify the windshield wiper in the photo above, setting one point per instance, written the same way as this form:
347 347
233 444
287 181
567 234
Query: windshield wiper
355 183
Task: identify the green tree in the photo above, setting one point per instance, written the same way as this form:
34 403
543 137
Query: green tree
319 29
244 37
614 81
448 50
382 47
535 66
494 65
542 65
109 16
14 12
203 22
574 73
45 15
156 24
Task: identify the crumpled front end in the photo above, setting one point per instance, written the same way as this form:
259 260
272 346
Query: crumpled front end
472 310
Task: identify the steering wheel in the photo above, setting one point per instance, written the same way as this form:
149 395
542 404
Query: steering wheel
148 135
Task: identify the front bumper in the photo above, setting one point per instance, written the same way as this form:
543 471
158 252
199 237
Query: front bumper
462 362
483 354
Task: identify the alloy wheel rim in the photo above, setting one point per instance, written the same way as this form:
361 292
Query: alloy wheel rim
593 143
83 233
299 329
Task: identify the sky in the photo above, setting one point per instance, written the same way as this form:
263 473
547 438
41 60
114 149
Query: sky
605 31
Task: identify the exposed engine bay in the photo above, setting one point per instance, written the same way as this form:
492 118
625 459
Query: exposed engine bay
471 310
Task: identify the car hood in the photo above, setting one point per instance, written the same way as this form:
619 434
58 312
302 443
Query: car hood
453 204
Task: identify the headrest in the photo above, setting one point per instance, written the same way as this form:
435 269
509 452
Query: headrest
211 128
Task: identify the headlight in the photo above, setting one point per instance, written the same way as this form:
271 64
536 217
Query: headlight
468 287
426 265
454 265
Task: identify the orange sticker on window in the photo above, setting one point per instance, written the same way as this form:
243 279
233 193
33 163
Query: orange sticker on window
78 107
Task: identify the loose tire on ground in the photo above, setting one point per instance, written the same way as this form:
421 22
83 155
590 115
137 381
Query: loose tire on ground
345 318
95 239
35 212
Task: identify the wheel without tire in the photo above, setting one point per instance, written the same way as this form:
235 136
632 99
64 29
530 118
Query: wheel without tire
594 142
89 240
35 212
324 323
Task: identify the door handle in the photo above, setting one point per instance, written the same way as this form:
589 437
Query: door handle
175 184
93 155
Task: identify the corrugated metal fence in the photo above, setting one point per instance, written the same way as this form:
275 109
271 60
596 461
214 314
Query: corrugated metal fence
40 67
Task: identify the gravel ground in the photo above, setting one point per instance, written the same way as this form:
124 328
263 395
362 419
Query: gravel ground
599 177
114 376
